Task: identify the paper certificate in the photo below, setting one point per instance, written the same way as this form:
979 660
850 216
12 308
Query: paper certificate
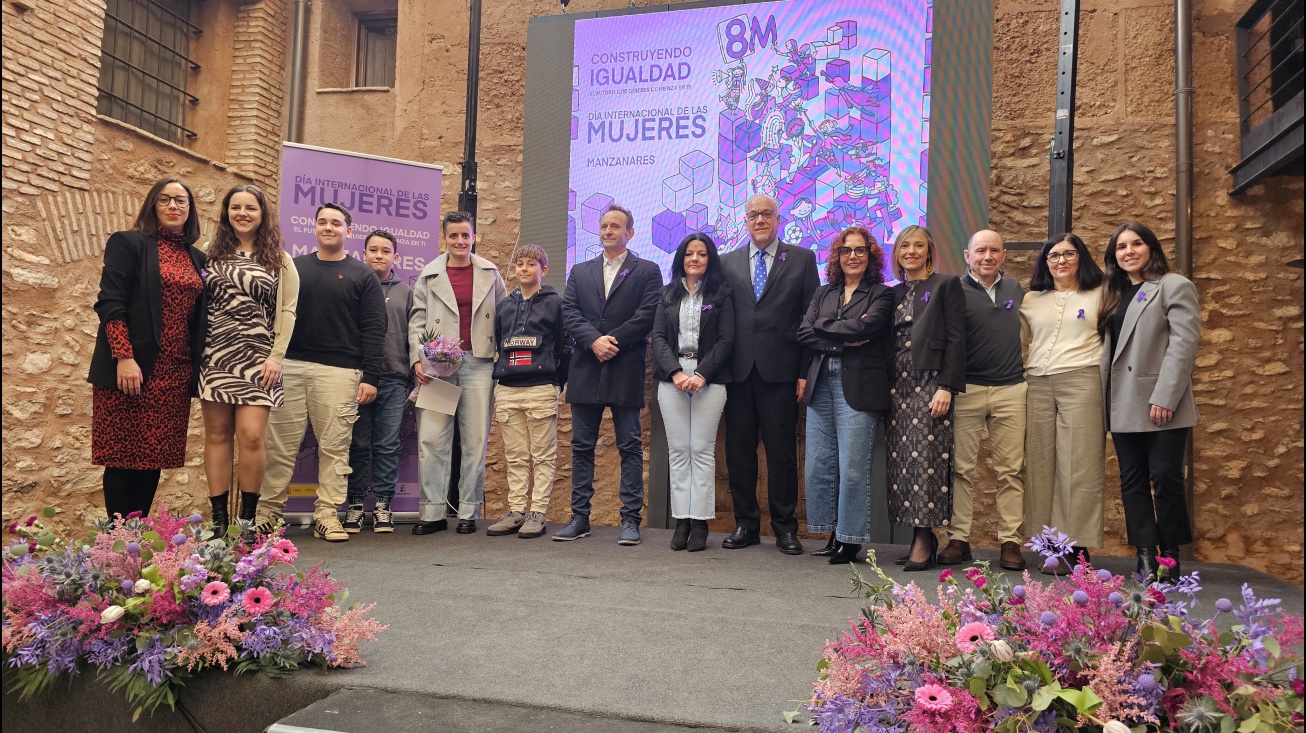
440 396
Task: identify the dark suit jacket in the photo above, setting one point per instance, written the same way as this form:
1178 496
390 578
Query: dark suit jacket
626 315
829 324
766 328
716 338
131 291
938 329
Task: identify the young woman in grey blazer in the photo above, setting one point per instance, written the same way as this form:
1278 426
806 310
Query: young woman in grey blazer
1150 325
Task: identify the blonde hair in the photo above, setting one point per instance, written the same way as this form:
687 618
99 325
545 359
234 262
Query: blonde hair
930 253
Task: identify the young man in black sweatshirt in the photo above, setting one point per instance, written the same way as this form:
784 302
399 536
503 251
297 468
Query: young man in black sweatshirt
333 364
530 369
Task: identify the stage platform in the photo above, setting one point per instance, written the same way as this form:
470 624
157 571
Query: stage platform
503 634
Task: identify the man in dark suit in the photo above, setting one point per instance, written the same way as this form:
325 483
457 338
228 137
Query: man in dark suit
772 283
608 308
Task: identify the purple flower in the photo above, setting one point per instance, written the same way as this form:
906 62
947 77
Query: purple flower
133 548
1080 598
1048 618
707 306
1146 682
926 297
1010 303
1224 605
1115 598
1142 297
1051 543
196 518
1081 314
1018 591
127 586
178 538
1103 575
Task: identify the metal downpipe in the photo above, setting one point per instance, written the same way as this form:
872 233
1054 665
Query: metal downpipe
1183 226
298 55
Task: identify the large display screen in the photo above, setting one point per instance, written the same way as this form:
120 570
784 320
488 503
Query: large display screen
681 116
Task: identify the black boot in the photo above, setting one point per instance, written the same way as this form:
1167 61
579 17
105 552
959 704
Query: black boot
1171 575
221 519
248 508
697 535
1147 562
829 548
680 540
844 553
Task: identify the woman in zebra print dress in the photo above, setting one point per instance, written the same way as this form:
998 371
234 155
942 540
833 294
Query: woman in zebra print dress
252 289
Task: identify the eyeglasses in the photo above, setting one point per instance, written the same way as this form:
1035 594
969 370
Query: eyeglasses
1067 256
851 251
755 215
182 201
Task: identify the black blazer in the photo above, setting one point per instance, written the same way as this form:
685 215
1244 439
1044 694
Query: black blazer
766 328
716 338
829 324
626 315
131 291
938 329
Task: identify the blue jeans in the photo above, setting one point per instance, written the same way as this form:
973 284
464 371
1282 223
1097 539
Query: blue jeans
376 442
584 434
840 446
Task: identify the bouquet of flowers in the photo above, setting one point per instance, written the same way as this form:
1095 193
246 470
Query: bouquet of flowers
151 601
441 356
1092 652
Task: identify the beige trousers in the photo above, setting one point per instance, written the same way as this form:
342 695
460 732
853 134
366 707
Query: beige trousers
528 424
1065 455
1000 410
324 397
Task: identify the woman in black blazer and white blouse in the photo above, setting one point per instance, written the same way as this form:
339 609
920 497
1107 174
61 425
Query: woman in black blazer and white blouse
847 389
929 355
1150 325
693 335
147 351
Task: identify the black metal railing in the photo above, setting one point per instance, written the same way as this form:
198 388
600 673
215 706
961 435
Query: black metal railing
145 67
1269 42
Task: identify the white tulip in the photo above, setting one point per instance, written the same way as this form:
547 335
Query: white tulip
111 614
1001 651
142 585
1115 726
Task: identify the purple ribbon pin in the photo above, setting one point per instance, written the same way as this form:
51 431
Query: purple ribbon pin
784 256
204 275
624 272
1142 297
926 297
1010 303
1081 314
707 306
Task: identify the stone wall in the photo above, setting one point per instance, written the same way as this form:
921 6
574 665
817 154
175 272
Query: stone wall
1249 459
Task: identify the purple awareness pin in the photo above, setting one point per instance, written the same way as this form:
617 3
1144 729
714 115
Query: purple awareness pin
1142 297
784 256
624 272
1010 303
707 306
926 297
1081 314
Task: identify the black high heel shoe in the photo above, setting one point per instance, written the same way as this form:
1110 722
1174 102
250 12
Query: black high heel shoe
844 553
830 546
912 565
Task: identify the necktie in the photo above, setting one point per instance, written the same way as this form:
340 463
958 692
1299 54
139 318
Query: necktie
759 274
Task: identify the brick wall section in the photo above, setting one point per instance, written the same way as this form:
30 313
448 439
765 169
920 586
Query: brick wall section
51 65
262 46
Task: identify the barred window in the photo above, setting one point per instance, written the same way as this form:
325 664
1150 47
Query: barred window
377 33
145 66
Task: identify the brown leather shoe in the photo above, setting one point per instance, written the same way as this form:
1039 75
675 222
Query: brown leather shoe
955 553
1011 559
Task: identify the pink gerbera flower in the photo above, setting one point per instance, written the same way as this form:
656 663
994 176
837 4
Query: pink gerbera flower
284 551
257 600
933 699
972 634
215 593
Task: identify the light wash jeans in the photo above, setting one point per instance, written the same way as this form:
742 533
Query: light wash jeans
691 421
435 443
840 445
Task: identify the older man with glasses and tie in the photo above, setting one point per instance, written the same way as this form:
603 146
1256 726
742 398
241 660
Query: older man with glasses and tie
772 283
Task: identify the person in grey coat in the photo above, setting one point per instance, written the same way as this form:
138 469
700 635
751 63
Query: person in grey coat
1150 324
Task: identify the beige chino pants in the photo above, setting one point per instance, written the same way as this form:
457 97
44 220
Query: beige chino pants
1000 410
1065 455
528 423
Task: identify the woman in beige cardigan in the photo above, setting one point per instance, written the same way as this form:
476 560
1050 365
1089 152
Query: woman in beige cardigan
252 288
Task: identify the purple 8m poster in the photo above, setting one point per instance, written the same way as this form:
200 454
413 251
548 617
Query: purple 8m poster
681 116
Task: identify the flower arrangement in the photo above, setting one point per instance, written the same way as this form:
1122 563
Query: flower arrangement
1090 652
152 601
441 356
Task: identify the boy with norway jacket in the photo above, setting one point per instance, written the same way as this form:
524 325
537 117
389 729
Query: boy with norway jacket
531 367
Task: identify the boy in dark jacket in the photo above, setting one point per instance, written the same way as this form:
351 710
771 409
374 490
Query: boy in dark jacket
531 368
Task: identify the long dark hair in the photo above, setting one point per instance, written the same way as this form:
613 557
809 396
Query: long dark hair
147 221
1089 274
674 291
1117 280
874 256
267 238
